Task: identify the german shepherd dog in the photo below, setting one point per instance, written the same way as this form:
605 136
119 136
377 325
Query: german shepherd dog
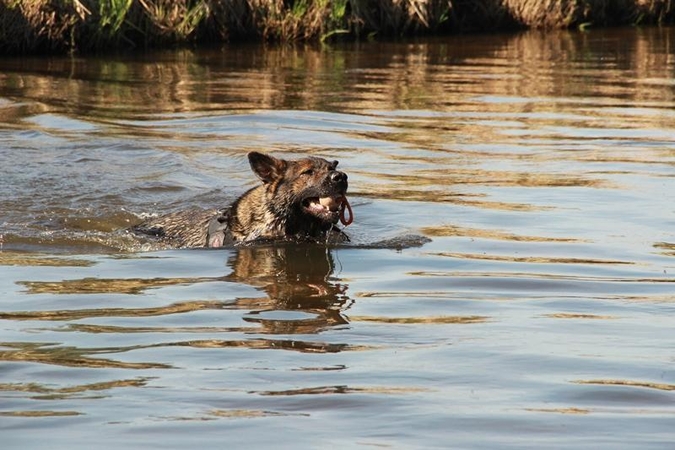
300 200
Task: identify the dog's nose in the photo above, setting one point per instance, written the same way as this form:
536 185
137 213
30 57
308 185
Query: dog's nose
338 177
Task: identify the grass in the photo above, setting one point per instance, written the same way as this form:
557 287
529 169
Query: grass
89 25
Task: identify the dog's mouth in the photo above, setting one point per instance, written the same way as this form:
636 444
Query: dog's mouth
325 208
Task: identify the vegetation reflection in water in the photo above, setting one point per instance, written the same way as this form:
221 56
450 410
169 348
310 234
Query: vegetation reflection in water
416 81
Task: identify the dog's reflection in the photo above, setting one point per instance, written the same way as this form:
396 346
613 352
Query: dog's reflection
302 295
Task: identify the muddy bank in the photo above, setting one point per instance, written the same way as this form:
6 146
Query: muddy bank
59 26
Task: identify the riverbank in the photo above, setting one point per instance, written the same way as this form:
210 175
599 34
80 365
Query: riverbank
81 26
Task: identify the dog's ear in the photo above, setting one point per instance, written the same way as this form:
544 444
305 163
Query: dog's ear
334 164
268 168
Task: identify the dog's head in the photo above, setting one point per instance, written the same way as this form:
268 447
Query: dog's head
312 189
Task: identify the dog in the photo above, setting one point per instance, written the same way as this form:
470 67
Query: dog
299 200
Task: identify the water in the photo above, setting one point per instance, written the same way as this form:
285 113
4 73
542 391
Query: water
539 315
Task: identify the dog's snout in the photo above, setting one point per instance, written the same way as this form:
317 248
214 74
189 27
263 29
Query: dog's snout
338 177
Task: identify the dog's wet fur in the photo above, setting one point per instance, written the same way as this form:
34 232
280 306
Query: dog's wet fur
298 200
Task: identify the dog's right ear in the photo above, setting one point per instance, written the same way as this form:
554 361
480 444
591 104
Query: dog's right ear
268 168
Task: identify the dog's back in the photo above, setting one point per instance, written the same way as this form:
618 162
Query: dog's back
182 229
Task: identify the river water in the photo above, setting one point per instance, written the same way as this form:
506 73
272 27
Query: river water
540 315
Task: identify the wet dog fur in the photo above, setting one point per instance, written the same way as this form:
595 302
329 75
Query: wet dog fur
298 200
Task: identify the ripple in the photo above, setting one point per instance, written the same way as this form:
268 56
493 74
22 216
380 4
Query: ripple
77 314
422 320
46 392
532 259
453 230
322 390
579 316
9 258
40 413
630 383
93 285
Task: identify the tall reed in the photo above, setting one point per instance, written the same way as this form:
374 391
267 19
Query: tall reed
92 25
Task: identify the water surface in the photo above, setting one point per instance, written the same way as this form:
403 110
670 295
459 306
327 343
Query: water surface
539 315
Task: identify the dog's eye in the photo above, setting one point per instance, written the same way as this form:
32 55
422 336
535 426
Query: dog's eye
308 172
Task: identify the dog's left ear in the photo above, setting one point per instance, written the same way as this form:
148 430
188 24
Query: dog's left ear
334 164
268 168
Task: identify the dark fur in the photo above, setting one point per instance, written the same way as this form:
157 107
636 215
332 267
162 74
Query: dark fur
275 210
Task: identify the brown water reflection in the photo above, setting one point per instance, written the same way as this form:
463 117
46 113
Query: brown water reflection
453 230
342 390
67 356
531 259
269 344
9 258
642 384
666 248
39 413
46 392
76 314
105 285
399 77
